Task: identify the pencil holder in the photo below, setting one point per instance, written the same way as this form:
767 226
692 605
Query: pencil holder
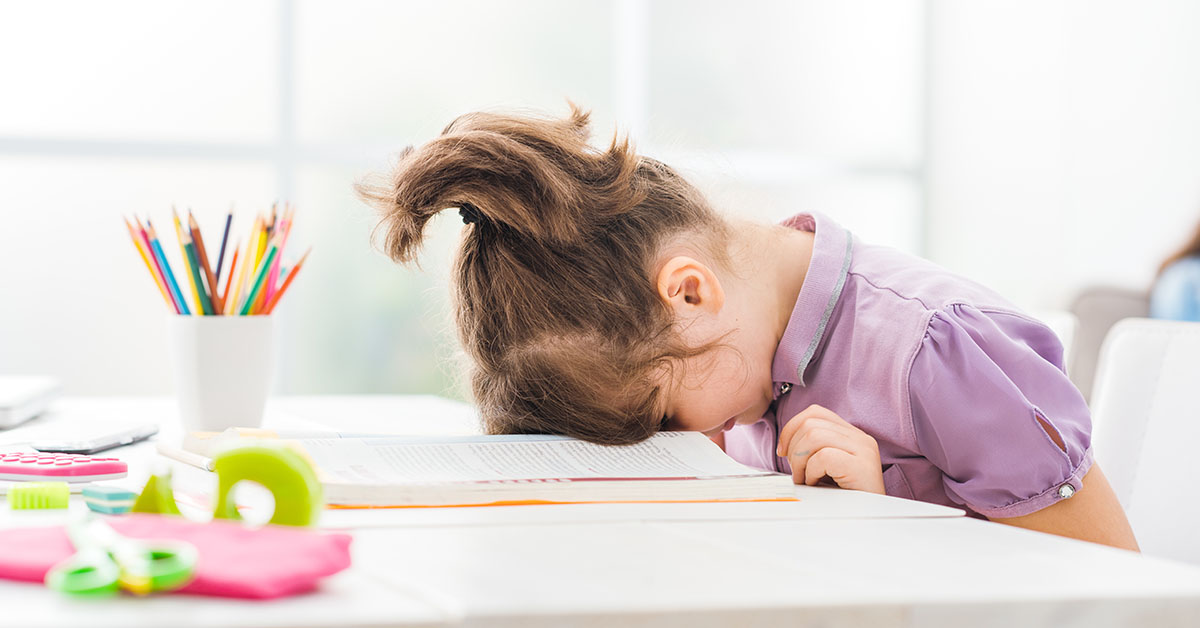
223 368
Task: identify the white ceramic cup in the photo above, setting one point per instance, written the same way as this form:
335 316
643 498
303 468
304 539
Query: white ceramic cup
223 368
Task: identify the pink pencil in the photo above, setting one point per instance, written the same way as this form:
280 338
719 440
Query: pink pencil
285 225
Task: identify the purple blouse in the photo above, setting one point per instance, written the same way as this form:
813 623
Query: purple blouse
959 388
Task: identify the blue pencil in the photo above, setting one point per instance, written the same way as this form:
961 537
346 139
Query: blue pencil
162 259
224 239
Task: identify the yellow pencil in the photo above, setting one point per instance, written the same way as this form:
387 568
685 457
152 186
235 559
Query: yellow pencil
275 243
186 264
158 281
231 305
262 244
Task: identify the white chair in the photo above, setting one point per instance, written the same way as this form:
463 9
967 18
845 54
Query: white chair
1146 428
1097 309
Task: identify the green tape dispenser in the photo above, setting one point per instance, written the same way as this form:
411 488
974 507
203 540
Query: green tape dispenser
281 470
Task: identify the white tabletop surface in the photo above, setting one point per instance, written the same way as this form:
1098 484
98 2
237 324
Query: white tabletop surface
835 558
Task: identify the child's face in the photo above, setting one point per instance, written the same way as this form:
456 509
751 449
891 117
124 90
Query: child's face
732 383
714 391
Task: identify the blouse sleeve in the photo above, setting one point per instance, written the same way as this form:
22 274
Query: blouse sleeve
989 399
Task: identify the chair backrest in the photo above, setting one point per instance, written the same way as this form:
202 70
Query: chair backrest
1146 425
1097 309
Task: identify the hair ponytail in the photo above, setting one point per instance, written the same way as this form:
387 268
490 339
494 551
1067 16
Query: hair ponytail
531 178
552 293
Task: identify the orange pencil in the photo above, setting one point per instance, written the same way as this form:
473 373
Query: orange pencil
270 305
213 290
229 279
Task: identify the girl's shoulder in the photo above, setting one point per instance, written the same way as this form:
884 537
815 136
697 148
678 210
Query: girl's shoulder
921 282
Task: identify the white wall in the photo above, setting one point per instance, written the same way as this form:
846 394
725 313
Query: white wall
1064 144
130 106
1062 141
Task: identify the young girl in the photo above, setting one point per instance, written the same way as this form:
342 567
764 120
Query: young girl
599 296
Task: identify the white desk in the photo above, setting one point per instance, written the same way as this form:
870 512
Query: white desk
836 558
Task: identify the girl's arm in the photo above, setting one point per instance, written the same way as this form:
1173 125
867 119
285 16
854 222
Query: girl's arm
1092 514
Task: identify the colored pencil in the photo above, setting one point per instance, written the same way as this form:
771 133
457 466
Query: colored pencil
286 282
158 281
272 221
187 265
229 279
260 240
261 298
193 264
254 279
285 228
261 247
214 294
141 232
247 263
224 239
260 279
145 238
189 250
166 266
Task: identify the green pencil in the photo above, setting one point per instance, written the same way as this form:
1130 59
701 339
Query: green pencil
263 270
206 303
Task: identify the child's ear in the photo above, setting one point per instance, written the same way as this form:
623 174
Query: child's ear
689 287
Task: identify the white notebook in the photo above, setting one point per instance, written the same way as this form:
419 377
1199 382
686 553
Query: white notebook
22 398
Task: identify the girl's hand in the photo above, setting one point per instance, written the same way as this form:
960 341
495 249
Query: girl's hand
818 443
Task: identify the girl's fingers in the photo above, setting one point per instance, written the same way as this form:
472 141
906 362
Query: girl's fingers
830 461
809 443
787 434
807 425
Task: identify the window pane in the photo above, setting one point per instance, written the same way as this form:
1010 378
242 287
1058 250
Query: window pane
879 209
835 79
360 322
77 300
129 70
394 71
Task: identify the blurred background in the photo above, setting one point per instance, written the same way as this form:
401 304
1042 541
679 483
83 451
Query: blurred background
1038 147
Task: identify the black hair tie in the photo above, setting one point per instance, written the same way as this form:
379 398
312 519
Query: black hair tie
470 213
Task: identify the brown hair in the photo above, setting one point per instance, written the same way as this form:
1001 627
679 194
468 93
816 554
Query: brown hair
553 296
1192 248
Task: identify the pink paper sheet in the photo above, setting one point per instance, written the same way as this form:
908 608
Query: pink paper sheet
234 560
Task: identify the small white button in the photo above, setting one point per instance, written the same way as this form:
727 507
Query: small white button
784 388
1066 491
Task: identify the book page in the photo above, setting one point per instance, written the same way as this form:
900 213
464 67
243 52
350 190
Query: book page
518 457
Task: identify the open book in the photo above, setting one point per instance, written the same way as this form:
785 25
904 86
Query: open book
372 470
402 471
